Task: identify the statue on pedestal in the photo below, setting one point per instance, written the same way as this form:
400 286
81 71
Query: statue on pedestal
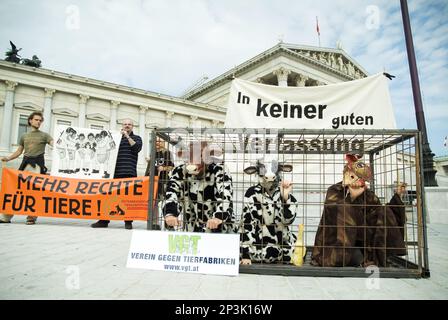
340 63
351 69
332 60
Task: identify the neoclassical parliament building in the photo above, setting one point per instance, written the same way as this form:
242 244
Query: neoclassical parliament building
79 101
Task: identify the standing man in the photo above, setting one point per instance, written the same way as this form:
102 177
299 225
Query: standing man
126 166
33 145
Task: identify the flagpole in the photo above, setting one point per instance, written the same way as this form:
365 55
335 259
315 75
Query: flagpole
428 162
317 29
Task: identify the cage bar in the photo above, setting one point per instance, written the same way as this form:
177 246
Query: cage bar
317 158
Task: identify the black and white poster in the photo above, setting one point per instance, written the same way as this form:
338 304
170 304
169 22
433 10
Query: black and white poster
84 153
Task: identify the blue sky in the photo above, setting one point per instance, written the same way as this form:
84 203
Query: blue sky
167 45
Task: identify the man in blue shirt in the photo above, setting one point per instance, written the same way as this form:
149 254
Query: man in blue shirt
126 166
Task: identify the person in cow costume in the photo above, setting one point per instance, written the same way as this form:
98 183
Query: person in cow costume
269 209
355 228
201 190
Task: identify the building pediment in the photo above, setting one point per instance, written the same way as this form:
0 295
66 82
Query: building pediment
98 117
336 60
28 106
65 112
332 61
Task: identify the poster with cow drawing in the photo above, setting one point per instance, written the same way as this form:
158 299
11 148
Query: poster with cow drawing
84 153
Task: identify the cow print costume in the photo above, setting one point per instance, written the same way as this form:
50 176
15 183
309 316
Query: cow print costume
265 233
200 198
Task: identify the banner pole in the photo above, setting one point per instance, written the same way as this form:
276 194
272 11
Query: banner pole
150 218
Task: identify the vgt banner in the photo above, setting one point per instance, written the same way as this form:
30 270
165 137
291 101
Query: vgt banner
207 253
358 104
27 193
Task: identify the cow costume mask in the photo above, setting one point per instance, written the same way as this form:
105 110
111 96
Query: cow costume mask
268 173
197 155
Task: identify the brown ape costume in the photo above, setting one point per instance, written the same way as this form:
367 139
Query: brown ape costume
355 228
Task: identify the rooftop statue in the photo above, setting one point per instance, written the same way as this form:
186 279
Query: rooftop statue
13 54
34 62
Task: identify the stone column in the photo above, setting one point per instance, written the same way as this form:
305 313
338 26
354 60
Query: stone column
169 117
142 132
193 122
5 141
113 114
282 76
82 110
300 81
46 126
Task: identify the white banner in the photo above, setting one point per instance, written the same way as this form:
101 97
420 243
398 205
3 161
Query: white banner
84 153
207 253
357 104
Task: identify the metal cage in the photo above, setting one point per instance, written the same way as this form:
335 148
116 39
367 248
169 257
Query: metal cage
317 157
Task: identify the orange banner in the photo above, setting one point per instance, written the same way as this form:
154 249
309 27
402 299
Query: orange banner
27 193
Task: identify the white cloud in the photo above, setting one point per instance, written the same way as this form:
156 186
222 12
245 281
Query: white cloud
165 46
